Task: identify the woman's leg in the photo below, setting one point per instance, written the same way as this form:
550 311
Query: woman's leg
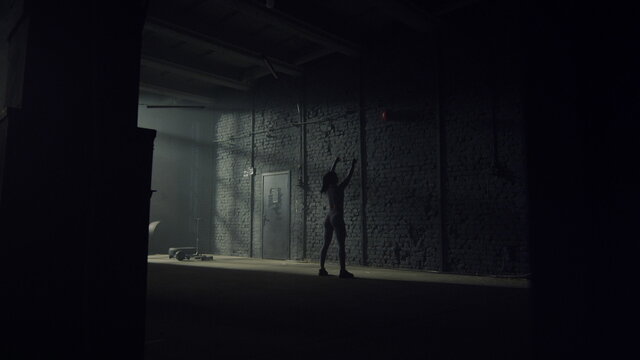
328 234
341 235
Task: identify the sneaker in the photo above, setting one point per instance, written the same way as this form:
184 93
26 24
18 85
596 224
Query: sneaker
344 274
323 272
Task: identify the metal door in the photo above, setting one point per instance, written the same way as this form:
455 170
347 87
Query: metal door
276 215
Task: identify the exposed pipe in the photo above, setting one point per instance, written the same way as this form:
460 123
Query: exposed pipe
363 165
218 46
451 7
278 129
175 106
292 25
442 161
154 89
193 73
303 174
267 63
252 175
208 102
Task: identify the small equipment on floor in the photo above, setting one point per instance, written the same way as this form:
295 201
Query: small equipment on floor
189 252
182 253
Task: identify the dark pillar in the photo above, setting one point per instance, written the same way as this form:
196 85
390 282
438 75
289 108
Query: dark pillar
582 111
75 193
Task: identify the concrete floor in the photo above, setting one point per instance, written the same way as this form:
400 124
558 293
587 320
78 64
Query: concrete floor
244 308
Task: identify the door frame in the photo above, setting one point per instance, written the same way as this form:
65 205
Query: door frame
288 173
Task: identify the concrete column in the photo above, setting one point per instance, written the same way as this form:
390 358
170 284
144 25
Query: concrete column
75 195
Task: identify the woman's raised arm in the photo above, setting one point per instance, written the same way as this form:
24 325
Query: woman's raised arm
333 167
345 182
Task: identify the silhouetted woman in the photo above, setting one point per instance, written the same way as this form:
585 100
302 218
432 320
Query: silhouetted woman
335 219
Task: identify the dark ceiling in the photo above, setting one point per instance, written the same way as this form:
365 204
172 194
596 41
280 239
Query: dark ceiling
205 47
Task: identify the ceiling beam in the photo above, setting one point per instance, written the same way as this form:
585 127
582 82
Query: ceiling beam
295 26
313 55
414 18
258 72
179 33
165 91
192 73
453 6
209 102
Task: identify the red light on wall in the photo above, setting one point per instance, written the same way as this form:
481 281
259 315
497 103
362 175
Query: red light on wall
385 115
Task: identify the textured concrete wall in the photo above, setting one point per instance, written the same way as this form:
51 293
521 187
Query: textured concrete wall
403 175
481 105
231 196
331 101
277 148
453 140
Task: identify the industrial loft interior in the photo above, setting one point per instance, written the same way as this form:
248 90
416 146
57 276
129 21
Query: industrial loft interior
319 179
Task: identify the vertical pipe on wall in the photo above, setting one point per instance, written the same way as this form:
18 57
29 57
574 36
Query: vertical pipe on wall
214 186
363 164
303 167
252 173
214 190
442 157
